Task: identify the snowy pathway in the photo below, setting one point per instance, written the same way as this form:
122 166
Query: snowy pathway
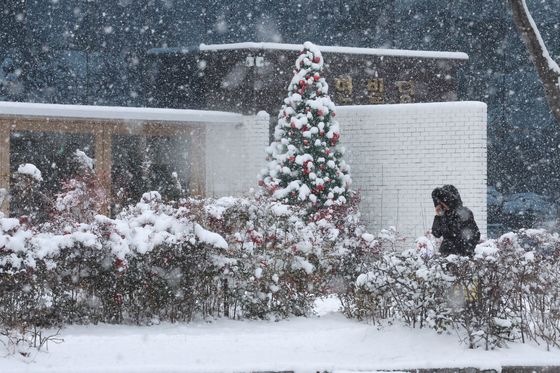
329 343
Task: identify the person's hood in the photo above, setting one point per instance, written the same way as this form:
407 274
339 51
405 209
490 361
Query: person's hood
449 195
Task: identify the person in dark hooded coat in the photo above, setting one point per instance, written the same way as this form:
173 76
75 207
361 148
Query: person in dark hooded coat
454 222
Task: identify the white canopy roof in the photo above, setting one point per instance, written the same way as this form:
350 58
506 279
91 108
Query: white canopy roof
323 48
118 113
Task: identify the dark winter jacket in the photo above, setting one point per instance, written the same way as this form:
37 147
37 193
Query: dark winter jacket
457 226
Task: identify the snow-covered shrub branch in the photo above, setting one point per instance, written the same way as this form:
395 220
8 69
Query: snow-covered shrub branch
284 258
509 291
252 258
26 342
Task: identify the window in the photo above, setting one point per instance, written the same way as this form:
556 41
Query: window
53 154
149 163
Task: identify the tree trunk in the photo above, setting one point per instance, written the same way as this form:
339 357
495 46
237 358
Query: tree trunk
547 69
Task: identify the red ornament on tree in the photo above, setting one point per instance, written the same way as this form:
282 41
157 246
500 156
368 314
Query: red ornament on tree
118 298
335 138
316 59
120 265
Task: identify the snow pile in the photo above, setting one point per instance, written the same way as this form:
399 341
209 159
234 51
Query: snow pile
210 238
84 159
31 170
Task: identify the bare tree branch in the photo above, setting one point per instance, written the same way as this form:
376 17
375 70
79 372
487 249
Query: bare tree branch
547 69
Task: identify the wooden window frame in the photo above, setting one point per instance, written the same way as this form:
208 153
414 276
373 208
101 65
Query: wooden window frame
103 131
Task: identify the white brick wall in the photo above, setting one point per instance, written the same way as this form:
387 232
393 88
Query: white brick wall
400 153
235 154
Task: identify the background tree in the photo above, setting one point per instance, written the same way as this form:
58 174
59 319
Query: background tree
547 69
305 164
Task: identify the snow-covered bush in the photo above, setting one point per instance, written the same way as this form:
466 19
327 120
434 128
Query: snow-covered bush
407 286
82 196
285 259
508 291
251 258
26 342
138 267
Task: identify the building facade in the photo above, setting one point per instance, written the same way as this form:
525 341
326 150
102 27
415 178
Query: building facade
398 153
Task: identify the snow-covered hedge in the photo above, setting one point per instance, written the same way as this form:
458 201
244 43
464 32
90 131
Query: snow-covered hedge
509 291
252 258
258 258
285 258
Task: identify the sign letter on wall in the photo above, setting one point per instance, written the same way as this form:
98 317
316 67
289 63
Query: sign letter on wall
343 88
376 91
406 91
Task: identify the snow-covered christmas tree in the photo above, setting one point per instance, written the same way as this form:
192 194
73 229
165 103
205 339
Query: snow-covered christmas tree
305 159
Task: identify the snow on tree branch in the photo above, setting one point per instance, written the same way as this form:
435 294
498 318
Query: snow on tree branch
551 63
305 159
547 69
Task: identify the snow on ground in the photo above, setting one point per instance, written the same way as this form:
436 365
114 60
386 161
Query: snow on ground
328 342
